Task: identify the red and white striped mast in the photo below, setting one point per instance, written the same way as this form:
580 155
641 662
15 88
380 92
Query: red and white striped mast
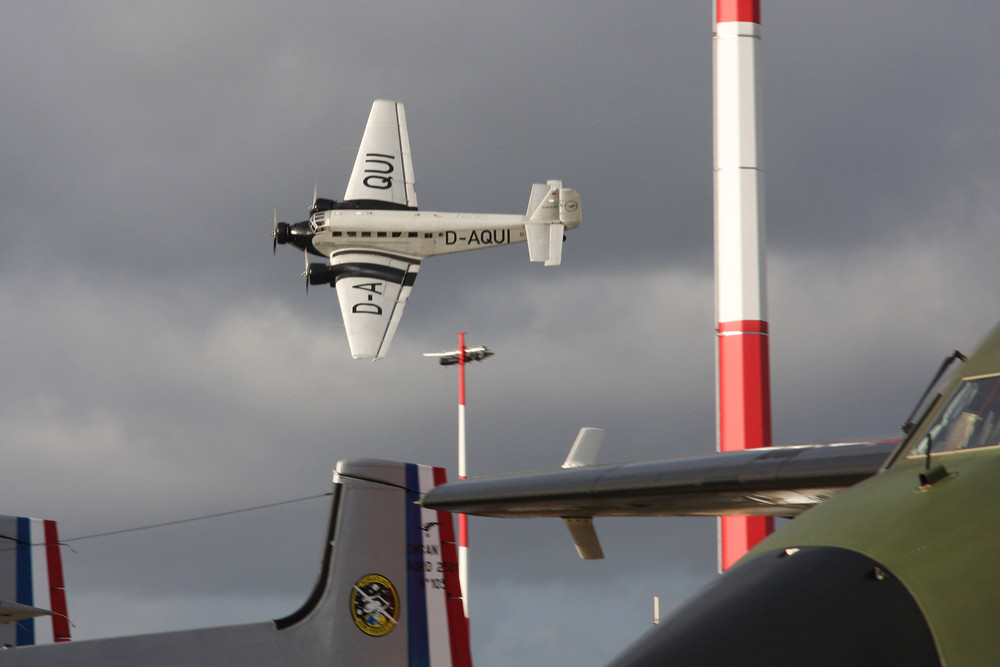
744 393
463 519
450 358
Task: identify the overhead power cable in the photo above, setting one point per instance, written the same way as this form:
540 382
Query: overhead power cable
164 524
176 522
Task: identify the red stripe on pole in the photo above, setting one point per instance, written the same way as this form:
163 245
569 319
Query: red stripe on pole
744 420
744 386
740 534
57 585
737 10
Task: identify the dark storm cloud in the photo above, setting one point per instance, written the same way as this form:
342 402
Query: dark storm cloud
160 364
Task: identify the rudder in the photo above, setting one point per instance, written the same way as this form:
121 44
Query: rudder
388 592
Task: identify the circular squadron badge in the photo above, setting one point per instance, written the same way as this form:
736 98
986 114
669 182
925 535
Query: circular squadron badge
374 605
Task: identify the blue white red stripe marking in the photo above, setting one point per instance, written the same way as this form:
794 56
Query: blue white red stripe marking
438 631
25 587
39 582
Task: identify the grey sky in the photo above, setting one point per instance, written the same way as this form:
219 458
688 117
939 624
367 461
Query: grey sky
160 364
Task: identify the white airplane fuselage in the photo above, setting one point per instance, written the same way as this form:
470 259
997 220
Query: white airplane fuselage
415 234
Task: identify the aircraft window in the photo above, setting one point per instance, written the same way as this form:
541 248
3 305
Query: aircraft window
411 235
381 235
428 236
969 421
396 235
337 234
366 235
352 234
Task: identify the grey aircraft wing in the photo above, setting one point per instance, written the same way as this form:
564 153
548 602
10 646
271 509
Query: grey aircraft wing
773 481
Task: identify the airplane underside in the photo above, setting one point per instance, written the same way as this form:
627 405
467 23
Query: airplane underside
811 606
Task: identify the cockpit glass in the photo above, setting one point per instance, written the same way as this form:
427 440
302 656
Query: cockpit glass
970 420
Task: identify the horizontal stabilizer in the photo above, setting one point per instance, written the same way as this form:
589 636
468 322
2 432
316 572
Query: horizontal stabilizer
11 612
551 210
556 230
538 241
585 538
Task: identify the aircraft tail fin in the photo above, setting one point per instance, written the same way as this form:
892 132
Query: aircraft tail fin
388 591
32 589
551 210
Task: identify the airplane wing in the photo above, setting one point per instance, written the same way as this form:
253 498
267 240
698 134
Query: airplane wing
770 481
774 481
383 170
372 289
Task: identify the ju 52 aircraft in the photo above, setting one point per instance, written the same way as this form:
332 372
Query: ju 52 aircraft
376 238
891 557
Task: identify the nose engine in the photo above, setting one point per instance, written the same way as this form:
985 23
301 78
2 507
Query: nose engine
282 232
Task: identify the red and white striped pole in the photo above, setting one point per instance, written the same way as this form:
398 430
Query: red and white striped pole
463 519
744 394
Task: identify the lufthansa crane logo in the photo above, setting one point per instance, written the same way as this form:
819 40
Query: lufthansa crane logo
375 605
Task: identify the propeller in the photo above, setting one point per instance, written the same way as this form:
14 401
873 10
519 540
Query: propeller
281 233
305 274
315 196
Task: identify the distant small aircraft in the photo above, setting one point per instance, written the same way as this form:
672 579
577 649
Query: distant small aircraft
376 238
451 357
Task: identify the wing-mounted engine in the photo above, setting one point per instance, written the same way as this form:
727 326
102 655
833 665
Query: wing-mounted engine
320 274
552 209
